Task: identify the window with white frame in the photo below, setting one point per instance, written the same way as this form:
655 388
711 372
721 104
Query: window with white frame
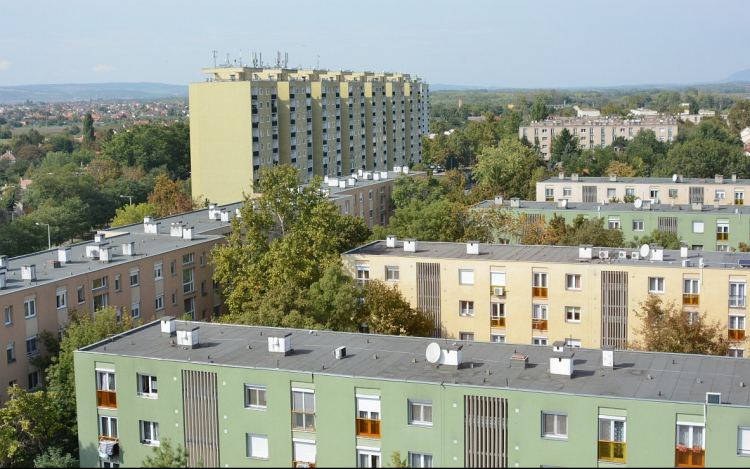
572 314
257 446
147 386
637 225
100 301
62 299
573 343
31 346
135 310
466 308
173 268
81 297
303 409
567 191
255 397
555 425
691 286
497 278
392 273
573 281
363 274
159 302
466 336
539 312
736 294
611 193
188 280
420 413
539 280
105 380
653 193
656 285
304 451
736 352
466 276
108 426
29 308
98 283
109 464
539 341
10 352
497 314
736 323
690 436
497 338
739 197
188 258
135 278
8 315
368 458
149 433
117 283
613 223
158 271
612 429
630 192
420 460
720 194
743 440
549 194
699 226
189 304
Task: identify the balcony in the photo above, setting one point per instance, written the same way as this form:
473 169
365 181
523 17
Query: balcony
691 299
303 464
690 457
539 324
736 335
539 292
612 451
739 201
106 399
109 446
736 301
368 428
722 236
497 322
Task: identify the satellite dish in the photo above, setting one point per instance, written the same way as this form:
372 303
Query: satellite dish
564 202
645 249
674 178
638 203
433 352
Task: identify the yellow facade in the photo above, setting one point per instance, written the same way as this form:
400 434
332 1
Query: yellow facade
573 307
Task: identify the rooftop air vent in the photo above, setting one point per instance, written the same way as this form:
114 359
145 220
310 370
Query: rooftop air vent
339 352
175 230
105 255
608 356
719 179
3 278
280 344
64 255
561 364
515 202
4 261
585 251
168 326
188 337
519 360
28 272
574 177
188 233
472 247
499 200
150 226
128 249
410 245
390 241
713 398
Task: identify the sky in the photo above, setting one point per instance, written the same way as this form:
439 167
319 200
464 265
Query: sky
525 44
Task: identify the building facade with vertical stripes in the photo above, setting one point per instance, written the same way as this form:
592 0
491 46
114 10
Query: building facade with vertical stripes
245 396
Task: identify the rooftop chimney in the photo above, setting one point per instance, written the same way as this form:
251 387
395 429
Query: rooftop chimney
719 179
697 206
226 215
175 230
188 234
734 177
339 352
472 247
613 177
280 344
28 272
4 261
499 200
683 252
608 356
188 337
104 254
518 360
3 278
376 176
561 363
150 226
213 212
574 177
168 326
562 203
384 175
515 202
657 253
128 249
717 201
558 346
390 241
98 238
64 255
586 251
410 245
561 175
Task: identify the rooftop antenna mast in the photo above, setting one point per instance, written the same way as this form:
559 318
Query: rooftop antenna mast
240 57
317 67
255 60
214 53
286 59
228 63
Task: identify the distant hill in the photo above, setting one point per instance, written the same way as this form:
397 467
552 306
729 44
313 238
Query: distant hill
87 91
743 75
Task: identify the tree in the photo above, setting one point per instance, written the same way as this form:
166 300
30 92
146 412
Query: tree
668 328
335 300
88 130
621 169
591 231
509 169
169 199
396 460
703 158
564 147
130 214
166 456
54 458
739 116
385 311
539 110
662 238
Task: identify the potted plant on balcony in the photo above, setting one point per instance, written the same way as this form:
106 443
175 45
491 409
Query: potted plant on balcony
697 449
682 448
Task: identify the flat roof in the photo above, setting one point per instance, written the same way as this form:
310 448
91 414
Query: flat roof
362 181
548 254
645 180
146 245
676 209
636 375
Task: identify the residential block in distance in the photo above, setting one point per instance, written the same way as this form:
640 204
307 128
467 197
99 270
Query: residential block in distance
245 396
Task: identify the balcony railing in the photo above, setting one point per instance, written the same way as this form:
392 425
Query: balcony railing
736 335
106 398
539 292
612 451
722 236
539 324
368 428
691 299
303 464
690 457
736 301
497 322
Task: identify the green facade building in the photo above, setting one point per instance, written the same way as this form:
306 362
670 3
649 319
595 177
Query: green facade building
700 227
243 396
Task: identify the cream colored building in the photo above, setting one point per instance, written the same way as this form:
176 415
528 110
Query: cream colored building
322 122
542 294
675 190
593 133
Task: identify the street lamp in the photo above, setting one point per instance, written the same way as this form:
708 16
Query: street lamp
130 198
49 239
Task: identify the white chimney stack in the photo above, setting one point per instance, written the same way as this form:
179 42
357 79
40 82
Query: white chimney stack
64 255
585 251
4 261
226 216
188 337
150 226
608 356
168 326
128 249
472 248
175 230
499 200
280 344
105 255
188 233
390 241
410 245
561 364
657 253
3 278
28 272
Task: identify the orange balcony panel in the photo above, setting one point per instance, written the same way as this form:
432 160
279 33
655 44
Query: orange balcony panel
303 464
690 457
539 292
106 399
690 299
722 236
539 324
612 451
737 335
368 428
497 322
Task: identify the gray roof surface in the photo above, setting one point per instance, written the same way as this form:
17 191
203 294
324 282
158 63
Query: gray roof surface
145 245
620 207
545 254
645 180
637 375
362 182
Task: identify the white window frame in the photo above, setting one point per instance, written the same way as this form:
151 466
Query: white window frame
691 428
363 274
656 285
742 450
304 409
153 429
540 311
32 348
466 308
720 194
117 283
466 276
554 434
160 302
737 294
102 281
699 226
638 225
420 459
738 320
497 278
613 223
261 446
29 308
159 271
420 421
188 258
612 419
575 310
147 386
9 315
103 300
691 286
497 338
106 429
249 390
106 380
189 285
361 451
539 280
392 273
567 192
135 278
135 310
11 357
542 341
61 298
572 285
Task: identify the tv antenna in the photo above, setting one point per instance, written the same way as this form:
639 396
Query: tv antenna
254 59
317 67
213 54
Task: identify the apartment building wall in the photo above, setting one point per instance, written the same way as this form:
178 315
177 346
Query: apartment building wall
595 133
516 415
573 313
729 191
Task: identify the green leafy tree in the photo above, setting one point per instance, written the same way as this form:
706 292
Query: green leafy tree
88 130
165 455
668 328
739 116
386 311
169 198
564 147
662 238
397 461
591 231
130 214
539 110
150 146
335 300
509 169
703 158
54 458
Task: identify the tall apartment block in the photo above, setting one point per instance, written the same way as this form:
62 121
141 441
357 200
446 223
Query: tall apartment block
596 132
322 122
244 396
160 267
583 296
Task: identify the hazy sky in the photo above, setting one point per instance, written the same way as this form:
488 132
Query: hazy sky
486 43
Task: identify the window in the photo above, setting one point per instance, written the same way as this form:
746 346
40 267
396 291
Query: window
736 294
567 192
35 379
720 195
188 281
159 302
673 193
108 426
10 352
420 413
539 341
81 298
420 460
188 258
303 409
8 315
110 464
653 193
466 308
539 317
29 308
135 278
656 285
62 299
549 194
117 283
572 314
690 436
363 274
613 223
174 298
100 301
147 386
173 268
554 425
466 336
158 274
466 277
149 433
691 291
105 380
722 230
573 343
736 352
497 338
629 192
304 451
135 310
698 227
257 446
497 279
573 281
611 193
99 283
497 314
637 225
255 397
31 346
368 416
203 259
391 273
539 285
739 197
743 440
612 439
189 304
